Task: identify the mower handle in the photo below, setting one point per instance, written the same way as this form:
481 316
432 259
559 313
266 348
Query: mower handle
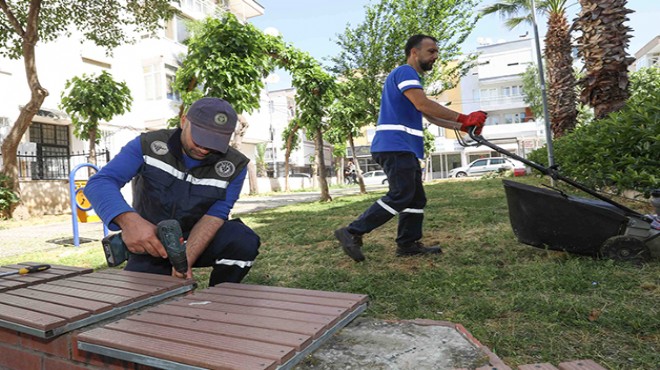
549 171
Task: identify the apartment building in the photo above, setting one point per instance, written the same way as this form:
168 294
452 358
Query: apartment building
494 85
648 55
148 67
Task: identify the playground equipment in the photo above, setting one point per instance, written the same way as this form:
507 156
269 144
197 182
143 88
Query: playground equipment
79 204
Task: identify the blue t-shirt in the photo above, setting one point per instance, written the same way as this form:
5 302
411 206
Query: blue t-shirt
104 192
399 125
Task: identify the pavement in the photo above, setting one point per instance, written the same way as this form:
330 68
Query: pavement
363 344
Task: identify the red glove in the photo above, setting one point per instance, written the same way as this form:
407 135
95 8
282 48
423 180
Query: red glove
477 119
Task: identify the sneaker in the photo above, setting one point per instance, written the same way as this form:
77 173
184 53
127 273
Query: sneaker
415 249
350 243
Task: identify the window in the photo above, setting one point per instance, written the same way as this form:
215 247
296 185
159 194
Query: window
506 91
497 161
52 157
153 86
177 30
170 76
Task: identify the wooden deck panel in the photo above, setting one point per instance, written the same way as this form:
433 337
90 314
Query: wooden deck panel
128 293
178 352
209 322
56 272
59 305
141 286
255 348
281 296
53 309
66 301
257 311
295 340
268 303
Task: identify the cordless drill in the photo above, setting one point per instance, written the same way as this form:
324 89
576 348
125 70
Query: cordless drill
170 235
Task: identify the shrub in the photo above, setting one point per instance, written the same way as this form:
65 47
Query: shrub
620 151
7 196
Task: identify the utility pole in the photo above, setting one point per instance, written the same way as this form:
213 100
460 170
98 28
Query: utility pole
546 116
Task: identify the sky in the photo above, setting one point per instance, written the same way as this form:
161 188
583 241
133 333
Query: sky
313 26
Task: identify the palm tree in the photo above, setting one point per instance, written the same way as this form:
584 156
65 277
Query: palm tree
602 46
561 80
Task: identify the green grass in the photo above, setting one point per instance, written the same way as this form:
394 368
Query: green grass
528 305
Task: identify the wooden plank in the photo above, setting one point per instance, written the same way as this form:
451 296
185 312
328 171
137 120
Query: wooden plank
72 270
132 294
145 279
275 352
349 304
143 275
6 285
96 279
267 303
115 300
85 304
285 325
325 321
295 340
362 298
68 313
174 351
29 318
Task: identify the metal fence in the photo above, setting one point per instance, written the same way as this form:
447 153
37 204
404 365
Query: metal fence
54 167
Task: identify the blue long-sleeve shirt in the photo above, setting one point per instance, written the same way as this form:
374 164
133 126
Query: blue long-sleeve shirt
103 189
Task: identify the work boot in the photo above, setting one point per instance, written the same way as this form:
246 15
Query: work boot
350 243
415 249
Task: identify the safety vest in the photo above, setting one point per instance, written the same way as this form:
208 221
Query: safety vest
165 189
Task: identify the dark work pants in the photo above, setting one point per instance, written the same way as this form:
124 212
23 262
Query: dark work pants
405 197
231 253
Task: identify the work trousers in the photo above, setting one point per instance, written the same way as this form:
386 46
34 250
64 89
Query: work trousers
231 253
405 197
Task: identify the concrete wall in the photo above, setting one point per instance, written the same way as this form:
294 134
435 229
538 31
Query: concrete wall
46 197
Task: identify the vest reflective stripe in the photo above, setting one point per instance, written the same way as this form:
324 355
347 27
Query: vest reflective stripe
407 83
182 175
407 130
386 207
412 210
242 264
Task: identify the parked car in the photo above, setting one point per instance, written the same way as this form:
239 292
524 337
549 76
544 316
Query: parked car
374 177
484 166
305 175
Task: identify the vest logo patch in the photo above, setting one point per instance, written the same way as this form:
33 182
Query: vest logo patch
159 147
225 168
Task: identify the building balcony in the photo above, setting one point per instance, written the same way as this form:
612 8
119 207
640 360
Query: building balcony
503 102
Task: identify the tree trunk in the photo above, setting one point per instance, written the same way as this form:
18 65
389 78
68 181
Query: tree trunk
37 96
252 178
239 133
561 78
320 160
602 46
358 171
287 155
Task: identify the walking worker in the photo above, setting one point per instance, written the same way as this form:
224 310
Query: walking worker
398 146
189 174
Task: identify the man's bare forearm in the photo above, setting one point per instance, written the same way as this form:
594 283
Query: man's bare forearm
201 235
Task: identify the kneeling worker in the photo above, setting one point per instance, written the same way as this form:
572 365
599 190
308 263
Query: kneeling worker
189 174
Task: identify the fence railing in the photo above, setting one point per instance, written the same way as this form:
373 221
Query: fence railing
54 167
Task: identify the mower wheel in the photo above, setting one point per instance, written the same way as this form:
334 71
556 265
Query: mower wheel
625 248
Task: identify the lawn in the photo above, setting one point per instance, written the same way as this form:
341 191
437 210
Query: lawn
526 304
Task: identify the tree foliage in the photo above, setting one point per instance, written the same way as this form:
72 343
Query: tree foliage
532 88
25 24
88 100
619 151
92 99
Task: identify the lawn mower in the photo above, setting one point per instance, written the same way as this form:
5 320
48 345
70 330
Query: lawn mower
552 219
